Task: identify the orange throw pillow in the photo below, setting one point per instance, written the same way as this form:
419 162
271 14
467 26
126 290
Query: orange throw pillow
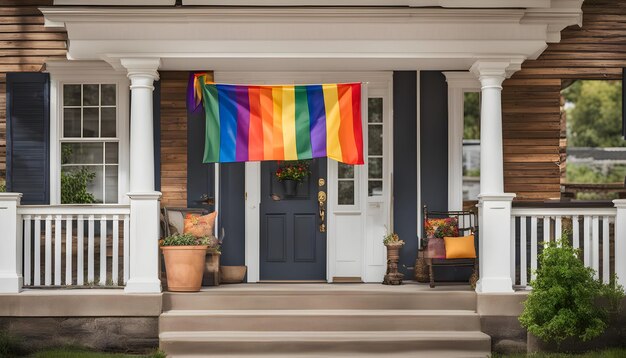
460 247
200 225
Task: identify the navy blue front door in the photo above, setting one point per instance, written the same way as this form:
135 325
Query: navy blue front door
293 247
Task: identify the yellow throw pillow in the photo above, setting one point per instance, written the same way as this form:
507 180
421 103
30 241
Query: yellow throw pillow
199 225
460 247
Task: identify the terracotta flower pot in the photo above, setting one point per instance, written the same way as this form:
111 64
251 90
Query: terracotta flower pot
184 266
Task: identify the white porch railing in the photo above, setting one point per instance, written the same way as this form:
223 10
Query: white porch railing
593 230
75 245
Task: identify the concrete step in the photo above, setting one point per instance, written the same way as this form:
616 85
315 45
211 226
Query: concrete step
319 320
326 344
324 298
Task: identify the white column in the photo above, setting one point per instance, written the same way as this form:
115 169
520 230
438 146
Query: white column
144 200
620 241
11 279
494 204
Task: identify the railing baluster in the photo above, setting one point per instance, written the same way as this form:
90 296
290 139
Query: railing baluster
533 246
513 266
58 246
576 232
522 252
587 240
595 251
557 228
126 247
605 250
68 251
48 267
546 229
90 251
37 258
103 250
27 250
116 248
80 251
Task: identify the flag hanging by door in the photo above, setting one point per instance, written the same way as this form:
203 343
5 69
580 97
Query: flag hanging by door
253 123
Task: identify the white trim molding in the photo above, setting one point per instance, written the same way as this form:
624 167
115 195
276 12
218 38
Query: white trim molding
84 72
349 38
458 84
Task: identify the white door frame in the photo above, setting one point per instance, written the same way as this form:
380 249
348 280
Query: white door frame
253 169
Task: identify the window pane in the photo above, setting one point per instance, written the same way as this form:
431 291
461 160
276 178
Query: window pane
375 188
91 95
81 153
345 171
71 122
71 95
110 184
108 122
346 192
108 95
375 110
375 140
90 122
97 185
375 168
111 153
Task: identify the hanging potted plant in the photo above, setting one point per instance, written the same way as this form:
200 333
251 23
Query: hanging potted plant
290 174
184 256
393 244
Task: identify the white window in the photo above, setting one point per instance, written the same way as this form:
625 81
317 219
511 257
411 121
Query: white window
89 141
89 133
375 146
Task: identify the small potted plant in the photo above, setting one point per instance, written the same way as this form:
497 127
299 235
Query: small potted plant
184 256
393 244
291 174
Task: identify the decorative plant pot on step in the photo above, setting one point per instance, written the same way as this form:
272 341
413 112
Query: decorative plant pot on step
290 186
184 267
393 277
211 269
232 274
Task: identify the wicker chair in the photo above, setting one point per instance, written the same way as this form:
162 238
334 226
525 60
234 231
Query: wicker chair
468 225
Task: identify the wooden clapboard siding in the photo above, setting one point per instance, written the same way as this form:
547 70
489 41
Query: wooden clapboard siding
174 139
534 122
25 44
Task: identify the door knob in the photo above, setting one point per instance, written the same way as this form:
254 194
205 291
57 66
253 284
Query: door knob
321 200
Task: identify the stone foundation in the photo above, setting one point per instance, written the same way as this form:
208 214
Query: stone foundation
111 334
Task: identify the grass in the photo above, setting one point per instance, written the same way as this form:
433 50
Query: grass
11 346
606 353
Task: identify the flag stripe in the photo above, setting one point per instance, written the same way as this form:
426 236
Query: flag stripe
228 123
212 131
243 122
255 144
303 132
333 120
279 152
289 123
267 116
346 127
356 122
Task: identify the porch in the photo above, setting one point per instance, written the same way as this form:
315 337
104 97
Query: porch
116 246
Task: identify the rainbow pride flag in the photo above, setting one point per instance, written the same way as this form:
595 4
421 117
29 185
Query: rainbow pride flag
253 123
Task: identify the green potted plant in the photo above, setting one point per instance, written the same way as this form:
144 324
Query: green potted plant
291 174
393 244
184 256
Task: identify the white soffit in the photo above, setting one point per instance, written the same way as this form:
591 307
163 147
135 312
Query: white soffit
322 37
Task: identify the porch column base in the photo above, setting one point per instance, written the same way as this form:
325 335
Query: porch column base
11 279
144 243
495 243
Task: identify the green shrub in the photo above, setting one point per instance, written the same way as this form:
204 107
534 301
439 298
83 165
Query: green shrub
3 187
11 346
186 240
564 301
74 186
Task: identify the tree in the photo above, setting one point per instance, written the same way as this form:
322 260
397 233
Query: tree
594 114
471 125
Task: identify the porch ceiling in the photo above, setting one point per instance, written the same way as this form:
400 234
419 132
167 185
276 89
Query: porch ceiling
281 38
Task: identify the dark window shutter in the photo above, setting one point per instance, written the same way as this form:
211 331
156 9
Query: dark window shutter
28 136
